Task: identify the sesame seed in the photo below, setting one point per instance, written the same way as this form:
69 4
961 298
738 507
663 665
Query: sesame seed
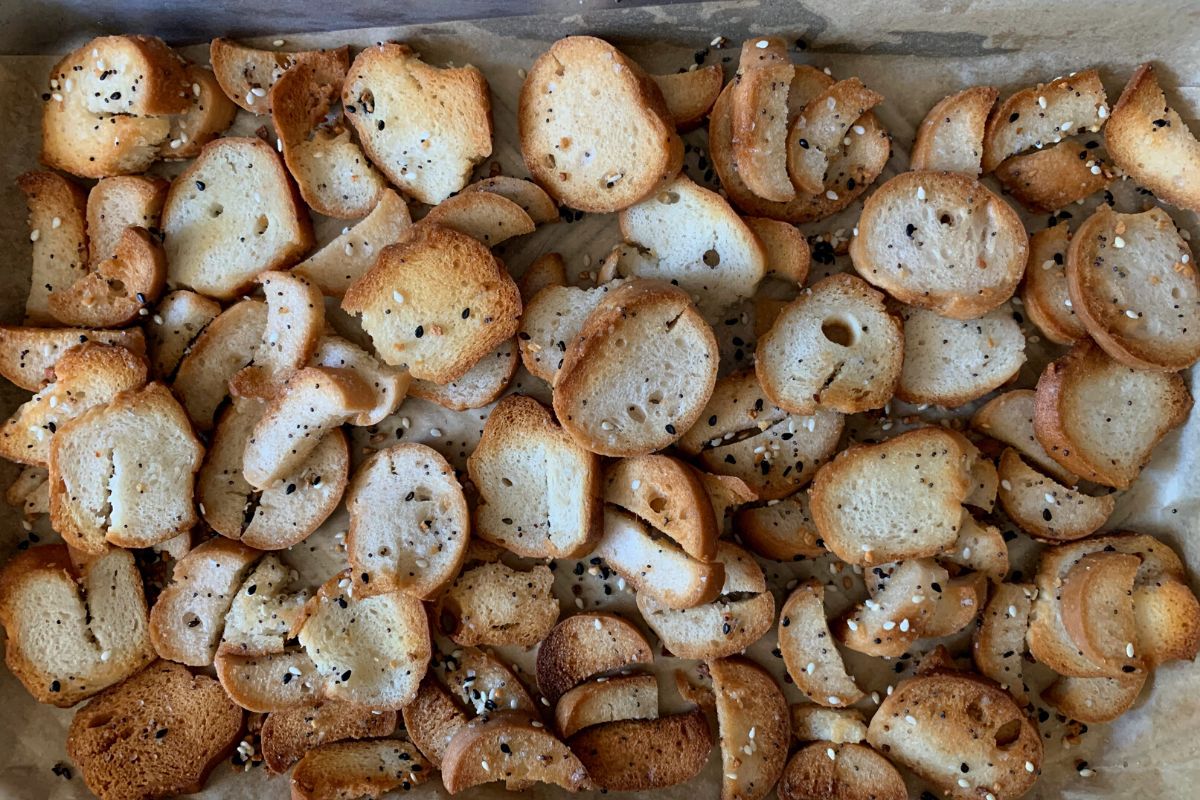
1042 102
596 622
34 235
964 783
834 700
485 766
1086 773
1118 242
762 44
1012 611
1049 498
195 90
1006 485
1129 649
851 624
889 625
278 43
56 222
435 432
920 192
831 194
1102 112
830 752
910 719
1129 312
56 97
1029 766
904 625
1095 169
348 249
106 655
399 298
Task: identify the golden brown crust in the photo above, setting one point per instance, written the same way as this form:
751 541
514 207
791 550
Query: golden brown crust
689 95
287 735
751 712
1054 177
968 109
829 771
644 754
510 747
120 288
584 645
246 74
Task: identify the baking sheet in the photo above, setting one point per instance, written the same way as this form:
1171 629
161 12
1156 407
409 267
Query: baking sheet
912 52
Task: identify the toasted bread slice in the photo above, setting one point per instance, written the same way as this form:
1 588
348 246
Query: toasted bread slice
1045 114
247 74
903 603
669 495
585 645
816 136
30 492
552 321
606 700
28 355
339 264
511 747
1134 286
752 715
189 615
920 226
1047 300
699 696
783 531
725 494
961 601
539 491
950 362
656 565
432 719
950 138
483 683
809 651
224 346
73 632
333 175
424 127
982 474
642 329
115 204
231 215
58 229
481 385
365 768
548 269
269 683
313 402
690 94
295 321
418 545
492 604
1008 418
737 405
532 198
120 289
978 547
644 754
847 177
371 651
389 384
692 238
1055 177
86 376
1046 509
439 282
813 723
1151 143
575 155
173 725
1102 419
285 513
1094 700
998 644
1049 641
179 319
835 346
759 100
107 112
123 473
936 723
487 216
872 505
264 611
787 251
738 618
835 771
1096 601
209 114
1167 622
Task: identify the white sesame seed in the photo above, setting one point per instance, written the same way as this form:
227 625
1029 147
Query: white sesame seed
1095 169
597 624
606 425
830 752
485 766
753 730
249 98
278 43
258 91
859 129
34 235
435 432
579 602
851 624
1118 242
966 552
887 626
1006 485
834 700
989 796
910 719
196 89
399 298
421 563
1129 649
1049 498
56 222
343 583
1102 112
294 670
964 783
1029 767
1012 611
1042 102
904 625
920 192
1086 772
831 194
1129 312
762 44
106 655
635 485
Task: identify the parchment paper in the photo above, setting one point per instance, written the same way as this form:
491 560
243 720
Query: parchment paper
912 52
